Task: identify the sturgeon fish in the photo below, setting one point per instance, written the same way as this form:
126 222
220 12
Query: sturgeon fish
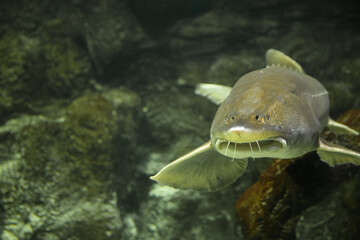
275 112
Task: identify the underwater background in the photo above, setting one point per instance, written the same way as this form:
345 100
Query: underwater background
96 96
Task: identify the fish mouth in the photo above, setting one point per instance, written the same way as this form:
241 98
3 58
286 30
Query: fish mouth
257 148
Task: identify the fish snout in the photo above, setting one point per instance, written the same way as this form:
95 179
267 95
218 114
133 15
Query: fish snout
242 134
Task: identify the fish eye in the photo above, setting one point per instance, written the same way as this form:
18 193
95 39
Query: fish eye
257 117
232 118
268 117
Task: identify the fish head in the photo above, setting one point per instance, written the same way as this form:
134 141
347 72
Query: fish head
242 136
259 123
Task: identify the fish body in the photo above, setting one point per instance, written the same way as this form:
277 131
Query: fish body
275 112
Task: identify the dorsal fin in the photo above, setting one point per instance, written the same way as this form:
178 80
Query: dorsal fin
275 57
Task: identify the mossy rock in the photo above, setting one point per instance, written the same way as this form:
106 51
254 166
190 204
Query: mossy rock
65 187
38 70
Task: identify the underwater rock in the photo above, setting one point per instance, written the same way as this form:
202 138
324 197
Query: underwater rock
65 62
351 72
351 68
16 62
341 96
26 17
107 31
152 14
228 69
256 207
111 32
59 172
37 70
163 125
271 208
126 103
174 214
351 118
335 217
214 30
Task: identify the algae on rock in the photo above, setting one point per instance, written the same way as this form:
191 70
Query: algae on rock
37 70
64 179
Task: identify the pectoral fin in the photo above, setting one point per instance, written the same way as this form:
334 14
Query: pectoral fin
334 154
202 169
275 57
214 92
339 128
